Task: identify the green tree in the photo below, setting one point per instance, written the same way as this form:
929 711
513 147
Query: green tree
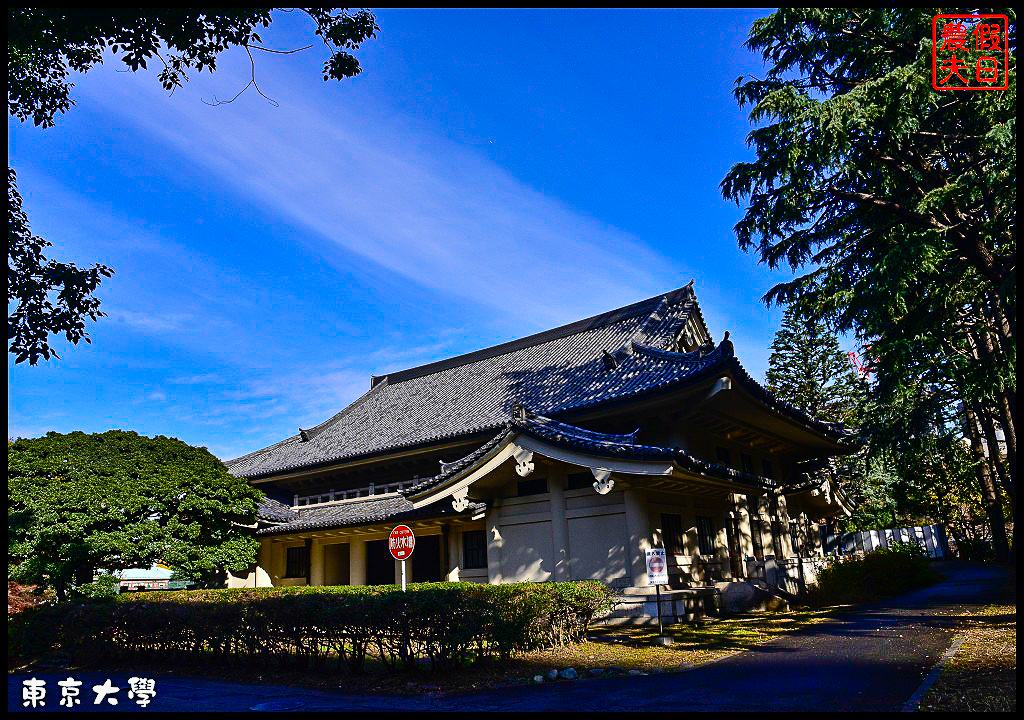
871 484
79 503
807 368
896 206
44 45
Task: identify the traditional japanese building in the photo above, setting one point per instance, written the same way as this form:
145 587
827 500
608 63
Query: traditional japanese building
562 455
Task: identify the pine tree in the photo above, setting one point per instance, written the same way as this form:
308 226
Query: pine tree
808 369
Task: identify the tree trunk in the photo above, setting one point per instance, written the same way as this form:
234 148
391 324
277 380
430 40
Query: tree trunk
999 470
984 351
995 454
989 490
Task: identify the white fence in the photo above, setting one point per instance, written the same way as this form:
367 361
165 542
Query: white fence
931 538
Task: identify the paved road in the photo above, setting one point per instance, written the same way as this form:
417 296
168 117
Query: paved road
869 660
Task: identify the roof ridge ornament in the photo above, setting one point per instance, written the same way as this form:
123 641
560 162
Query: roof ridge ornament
726 346
610 361
303 435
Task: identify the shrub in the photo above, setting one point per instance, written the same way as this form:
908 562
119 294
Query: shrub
444 624
22 597
886 571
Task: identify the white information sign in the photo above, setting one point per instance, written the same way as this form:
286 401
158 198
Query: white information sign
657 566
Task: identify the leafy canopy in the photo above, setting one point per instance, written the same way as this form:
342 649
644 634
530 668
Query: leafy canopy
44 46
896 198
895 205
78 503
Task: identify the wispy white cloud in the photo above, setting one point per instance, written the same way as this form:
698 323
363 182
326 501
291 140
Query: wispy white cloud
423 207
416 205
202 379
151 322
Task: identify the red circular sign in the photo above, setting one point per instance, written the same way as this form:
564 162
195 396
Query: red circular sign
401 542
656 566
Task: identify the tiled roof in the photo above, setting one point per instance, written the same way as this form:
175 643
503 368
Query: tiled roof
275 511
554 371
618 355
362 512
153 573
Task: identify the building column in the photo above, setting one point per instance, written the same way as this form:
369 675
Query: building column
316 563
492 528
814 531
557 482
279 560
639 530
723 553
453 535
357 561
783 515
746 531
263 564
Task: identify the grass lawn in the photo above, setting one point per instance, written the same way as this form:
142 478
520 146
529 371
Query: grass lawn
609 651
982 675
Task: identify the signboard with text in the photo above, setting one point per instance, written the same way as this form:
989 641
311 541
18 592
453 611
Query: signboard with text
657 566
401 542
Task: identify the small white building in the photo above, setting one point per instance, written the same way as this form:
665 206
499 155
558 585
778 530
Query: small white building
562 455
134 579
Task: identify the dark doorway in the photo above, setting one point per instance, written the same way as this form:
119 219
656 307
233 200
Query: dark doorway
380 566
426 559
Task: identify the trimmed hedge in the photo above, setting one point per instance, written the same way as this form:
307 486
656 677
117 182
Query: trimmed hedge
887 571
443 623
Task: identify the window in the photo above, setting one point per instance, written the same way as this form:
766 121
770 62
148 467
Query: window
747 464
296 562
535 486
768 470
706 535
672 533
722 456
580 481
474 549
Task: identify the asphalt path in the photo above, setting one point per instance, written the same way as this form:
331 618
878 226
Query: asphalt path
871 659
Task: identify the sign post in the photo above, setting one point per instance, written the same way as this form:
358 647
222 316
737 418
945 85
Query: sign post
657 575
401 543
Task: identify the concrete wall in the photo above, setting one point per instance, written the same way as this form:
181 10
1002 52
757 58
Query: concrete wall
521 532
597 536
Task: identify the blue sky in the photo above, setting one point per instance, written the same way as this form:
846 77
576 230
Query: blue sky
489 175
